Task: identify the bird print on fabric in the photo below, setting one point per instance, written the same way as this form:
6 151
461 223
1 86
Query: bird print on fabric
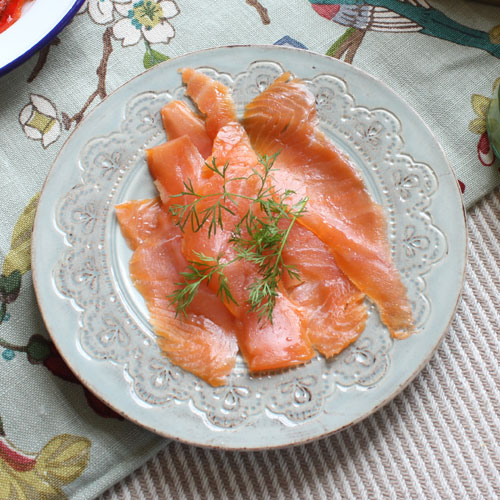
401 16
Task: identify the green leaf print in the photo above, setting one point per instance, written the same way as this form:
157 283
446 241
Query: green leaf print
338 43
19 256
153 57
10 286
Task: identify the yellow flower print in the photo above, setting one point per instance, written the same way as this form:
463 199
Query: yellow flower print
40 476
480 105
39 120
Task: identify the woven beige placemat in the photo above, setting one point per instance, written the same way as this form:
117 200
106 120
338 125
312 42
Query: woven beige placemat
440 438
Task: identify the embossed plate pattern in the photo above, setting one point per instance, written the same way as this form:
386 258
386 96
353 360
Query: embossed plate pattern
100 322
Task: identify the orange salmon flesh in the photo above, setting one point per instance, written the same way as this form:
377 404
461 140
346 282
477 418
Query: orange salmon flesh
338 247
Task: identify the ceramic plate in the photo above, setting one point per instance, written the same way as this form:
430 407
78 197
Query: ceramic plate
99 322
40 22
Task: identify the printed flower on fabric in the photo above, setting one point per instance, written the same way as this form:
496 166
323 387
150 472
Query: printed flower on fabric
100 11
145 18
41 475
480 105
39 120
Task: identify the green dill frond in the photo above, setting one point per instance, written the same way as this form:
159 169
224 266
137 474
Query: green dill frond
259 237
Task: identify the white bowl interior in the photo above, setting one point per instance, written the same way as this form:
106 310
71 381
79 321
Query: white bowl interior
39 18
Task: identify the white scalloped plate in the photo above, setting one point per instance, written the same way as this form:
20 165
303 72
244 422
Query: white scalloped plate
100 323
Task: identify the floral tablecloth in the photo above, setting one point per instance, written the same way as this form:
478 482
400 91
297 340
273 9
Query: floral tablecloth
56 438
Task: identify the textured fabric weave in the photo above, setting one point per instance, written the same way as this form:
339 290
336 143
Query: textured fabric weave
439 439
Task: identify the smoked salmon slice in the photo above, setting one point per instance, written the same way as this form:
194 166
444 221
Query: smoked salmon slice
213 99
171 164
256 338
340 210
178 120
204 342
138 220
334 309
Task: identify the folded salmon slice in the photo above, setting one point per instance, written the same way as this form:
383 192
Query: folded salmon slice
173 163
263 345
178 120
204 342
212 98
340 210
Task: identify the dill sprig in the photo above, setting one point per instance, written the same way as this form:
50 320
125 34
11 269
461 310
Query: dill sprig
259 237
190 212
264 245
202 270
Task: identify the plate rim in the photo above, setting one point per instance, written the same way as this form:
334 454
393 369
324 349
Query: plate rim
70 14
300 441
